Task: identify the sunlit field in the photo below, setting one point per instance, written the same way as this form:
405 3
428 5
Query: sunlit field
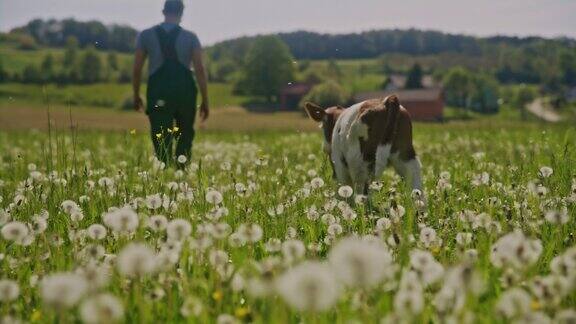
254 229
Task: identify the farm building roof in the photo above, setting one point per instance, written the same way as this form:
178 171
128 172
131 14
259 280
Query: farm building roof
404 95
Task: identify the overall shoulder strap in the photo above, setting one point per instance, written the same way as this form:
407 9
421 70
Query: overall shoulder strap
167 42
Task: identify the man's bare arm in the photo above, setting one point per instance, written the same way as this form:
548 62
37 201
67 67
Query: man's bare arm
201 78
139 60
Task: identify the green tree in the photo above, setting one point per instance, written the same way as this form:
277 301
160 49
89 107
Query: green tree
91 66
327 94
31 74
458 85
269 66
112 59
47 67
484 95
568 66
414 80
71 53
523 95
3 73
333 70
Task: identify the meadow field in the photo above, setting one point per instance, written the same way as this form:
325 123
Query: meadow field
254 229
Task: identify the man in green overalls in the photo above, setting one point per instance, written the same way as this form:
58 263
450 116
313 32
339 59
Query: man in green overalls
171 93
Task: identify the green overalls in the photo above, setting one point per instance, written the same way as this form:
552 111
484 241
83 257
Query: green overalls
171 96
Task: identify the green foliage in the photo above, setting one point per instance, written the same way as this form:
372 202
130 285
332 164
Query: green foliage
522 96
414 80
32 74
106 95
469 90
112 59
54 32
268 67
71 53
91 67
3 73
191 287
327 94
27 43
47 68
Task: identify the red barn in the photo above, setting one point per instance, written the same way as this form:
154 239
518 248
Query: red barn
423 104
292 94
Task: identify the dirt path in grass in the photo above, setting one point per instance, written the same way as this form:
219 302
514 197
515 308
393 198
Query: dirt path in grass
541 110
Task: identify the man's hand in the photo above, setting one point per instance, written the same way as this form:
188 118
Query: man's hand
138 103
204 111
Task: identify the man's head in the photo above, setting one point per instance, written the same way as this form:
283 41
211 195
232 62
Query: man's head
173 9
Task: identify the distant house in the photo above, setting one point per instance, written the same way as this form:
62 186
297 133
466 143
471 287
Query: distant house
292 94
423 104
398 81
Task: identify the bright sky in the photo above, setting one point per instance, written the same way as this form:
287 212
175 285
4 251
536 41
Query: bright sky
215 20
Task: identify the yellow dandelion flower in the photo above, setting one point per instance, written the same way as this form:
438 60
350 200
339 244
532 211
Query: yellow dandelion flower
36 316
242 312
217 295
159 135
132 132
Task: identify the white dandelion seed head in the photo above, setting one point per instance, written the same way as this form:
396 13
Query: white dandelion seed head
182 159
214 197
293 250
250 232
157 223
136 260
218 258
514 250
310 286
545 172
513 303
5 216
178 229
557 216
97 232
15 231
317 183
63 290
360 263
39 225
69 206
424 264
9 290
122 220
226 319
154 202
103 308
273 245
345 191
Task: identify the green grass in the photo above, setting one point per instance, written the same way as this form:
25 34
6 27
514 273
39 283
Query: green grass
109 95
15 60
68 162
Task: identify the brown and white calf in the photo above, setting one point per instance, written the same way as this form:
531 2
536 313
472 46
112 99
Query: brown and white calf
361 140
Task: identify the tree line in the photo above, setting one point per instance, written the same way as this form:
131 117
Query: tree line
55 33
76 66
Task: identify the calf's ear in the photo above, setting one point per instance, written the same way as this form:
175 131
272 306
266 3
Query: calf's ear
314 111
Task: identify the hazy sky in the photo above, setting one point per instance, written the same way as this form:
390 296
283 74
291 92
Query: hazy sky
216 20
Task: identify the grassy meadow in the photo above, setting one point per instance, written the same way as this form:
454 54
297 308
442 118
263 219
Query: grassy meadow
254 229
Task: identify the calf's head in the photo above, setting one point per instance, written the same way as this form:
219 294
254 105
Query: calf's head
327 117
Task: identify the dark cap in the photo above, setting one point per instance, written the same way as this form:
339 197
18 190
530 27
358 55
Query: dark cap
174 7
